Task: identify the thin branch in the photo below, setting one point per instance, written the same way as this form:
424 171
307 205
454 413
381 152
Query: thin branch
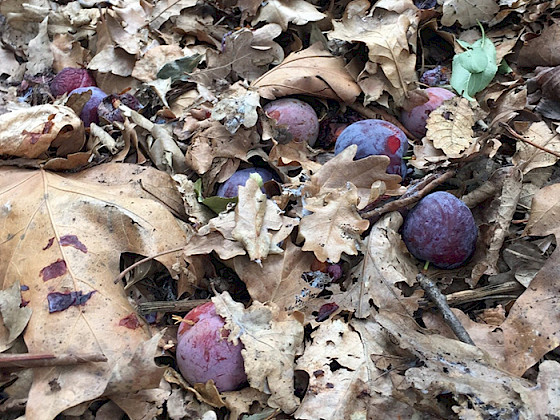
519 137
435 295
184 305
32 360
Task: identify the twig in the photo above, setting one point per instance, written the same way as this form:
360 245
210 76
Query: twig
374 112
408 199
165 306
495 291
435 295
143 260
31 360
516 135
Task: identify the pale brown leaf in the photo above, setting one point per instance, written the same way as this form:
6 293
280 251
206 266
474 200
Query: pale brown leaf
529 157
468 13
282 12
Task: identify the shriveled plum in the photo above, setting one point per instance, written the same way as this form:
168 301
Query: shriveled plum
298 117
204 352
440 229
376 137
69 79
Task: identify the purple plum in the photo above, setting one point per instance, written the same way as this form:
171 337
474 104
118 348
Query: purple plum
89 111
415 119
229 189
298 117
69 79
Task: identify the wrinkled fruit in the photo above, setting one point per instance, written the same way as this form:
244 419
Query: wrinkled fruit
229 189
204 352
298 117
89 111
415 119
440 229
69 79
376 137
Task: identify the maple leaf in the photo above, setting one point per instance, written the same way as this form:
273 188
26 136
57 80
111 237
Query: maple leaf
271 339
63 238
335 225
282 12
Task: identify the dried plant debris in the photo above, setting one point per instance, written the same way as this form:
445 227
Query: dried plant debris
166 178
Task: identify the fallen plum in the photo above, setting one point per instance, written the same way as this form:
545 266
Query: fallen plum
440 229
229 189
415 119
108 110
204 352
376 137
299 118
69 79
89 111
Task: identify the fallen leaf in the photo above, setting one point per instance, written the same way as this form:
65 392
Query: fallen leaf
166 9
13 315
542 50
314 72
76 231
237 106
282 12
529 157
335 226
468 13
271 339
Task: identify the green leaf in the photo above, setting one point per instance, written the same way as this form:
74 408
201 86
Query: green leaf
180 69
474 69
218 204
197 186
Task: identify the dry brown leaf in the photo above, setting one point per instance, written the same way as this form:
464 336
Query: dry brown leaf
166 9
216 142
281 279
30 132
313 72
76 231
237 106
271 339
13 316
450 127
239 402
335 226
147 67
541 401
255 218
293 152
283 12
529 157
362 173
39 54
542 50
468 13
386 263
386 34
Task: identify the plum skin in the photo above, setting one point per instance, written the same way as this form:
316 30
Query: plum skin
376 137
204 352
69 79
230 188
89 111
415 119
299 118
440 229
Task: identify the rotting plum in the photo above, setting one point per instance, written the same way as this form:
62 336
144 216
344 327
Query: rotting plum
440 229
229 189
204 352
415 119
299 118
89 111
69 79
376 137
108 108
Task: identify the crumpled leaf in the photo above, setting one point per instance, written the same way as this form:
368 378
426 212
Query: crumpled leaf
165 9
542 50
312 71
468 13
362 173
39 51
282 12
13 316
450 127
475 68
271 339
30 132
255 217
529 157
76 231
238 106
392 61
335 226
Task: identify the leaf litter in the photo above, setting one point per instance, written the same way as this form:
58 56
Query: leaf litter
310 272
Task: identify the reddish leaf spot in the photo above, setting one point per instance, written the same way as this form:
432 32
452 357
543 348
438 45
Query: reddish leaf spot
23 303
130 322
56 269
393 143
325 311
34 137
72 240
62 301
49 244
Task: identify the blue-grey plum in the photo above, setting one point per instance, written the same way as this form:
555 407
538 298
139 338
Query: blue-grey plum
376 137
229 189
440 229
